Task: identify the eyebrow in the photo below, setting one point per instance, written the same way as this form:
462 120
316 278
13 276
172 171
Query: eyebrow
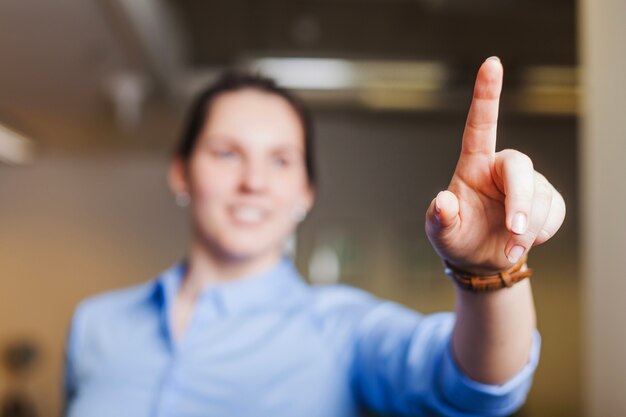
233 140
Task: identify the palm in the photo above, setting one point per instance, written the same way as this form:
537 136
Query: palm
472 223
482 231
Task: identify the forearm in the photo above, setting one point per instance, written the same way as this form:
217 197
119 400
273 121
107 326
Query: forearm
492 336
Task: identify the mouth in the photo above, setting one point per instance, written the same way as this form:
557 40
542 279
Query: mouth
248 215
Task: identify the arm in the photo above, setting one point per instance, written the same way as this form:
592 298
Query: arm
496 208
492 337
404 365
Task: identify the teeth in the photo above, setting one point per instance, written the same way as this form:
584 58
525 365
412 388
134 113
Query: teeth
248 214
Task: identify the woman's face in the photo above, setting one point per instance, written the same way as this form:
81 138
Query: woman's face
246 176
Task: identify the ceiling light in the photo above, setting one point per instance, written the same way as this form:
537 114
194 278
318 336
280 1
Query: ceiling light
14 147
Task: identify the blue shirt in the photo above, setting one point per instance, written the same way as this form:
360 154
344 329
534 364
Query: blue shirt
270 345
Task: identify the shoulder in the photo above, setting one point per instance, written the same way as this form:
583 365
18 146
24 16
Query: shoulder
111 307
346 299
102 323
338 297
116 300
349 306
337 306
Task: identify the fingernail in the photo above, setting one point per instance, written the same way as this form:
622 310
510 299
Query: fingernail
515 253
437 208
495 58
518 224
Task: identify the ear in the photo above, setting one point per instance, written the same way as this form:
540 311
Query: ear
309 198
177 176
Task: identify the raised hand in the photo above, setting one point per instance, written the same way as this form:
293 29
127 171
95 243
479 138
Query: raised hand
497 207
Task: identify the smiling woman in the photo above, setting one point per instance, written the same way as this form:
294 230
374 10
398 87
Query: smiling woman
246 177
234 330
245 173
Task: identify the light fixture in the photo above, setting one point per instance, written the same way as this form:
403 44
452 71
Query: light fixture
308 73
15 148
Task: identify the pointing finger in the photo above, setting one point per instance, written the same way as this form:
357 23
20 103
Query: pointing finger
479 136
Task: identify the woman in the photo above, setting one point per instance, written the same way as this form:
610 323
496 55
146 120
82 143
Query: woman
234 330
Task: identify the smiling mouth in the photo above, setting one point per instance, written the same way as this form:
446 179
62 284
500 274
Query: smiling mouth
248 215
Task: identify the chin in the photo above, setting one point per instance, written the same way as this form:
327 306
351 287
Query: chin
249 250
241 244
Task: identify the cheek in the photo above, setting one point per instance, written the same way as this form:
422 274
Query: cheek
292 197
207 184
207 189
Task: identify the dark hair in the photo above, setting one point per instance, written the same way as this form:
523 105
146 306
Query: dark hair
231 81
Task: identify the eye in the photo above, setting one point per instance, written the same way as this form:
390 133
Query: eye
280 161
225 154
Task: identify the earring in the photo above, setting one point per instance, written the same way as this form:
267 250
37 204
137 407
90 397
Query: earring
299 213
182 199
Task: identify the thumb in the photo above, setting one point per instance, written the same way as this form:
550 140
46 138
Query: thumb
442 217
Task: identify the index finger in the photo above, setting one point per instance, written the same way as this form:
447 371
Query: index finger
479 136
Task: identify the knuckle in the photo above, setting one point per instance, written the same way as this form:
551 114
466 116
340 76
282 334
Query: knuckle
528 238
506 152
543 235
520 194
486 126
524 159
520 199
539 177
561 203
543 190
518 158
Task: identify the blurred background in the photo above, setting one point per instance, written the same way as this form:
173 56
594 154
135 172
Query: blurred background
92 95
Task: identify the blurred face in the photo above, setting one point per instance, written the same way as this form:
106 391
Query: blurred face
246 176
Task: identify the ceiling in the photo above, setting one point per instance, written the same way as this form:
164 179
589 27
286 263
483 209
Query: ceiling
532 32
67 65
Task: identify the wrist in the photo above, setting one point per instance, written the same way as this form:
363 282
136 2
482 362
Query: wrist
486 282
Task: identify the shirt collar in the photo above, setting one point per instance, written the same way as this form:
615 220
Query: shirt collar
272 288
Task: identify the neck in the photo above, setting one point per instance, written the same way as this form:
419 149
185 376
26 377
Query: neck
206 267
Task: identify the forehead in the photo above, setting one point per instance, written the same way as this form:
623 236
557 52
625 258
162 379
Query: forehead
254 116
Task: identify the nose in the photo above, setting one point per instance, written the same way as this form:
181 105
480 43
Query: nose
254 177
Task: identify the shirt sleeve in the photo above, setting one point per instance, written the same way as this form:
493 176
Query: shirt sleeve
403 365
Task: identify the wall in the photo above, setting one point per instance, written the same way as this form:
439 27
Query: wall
603 204
75 224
